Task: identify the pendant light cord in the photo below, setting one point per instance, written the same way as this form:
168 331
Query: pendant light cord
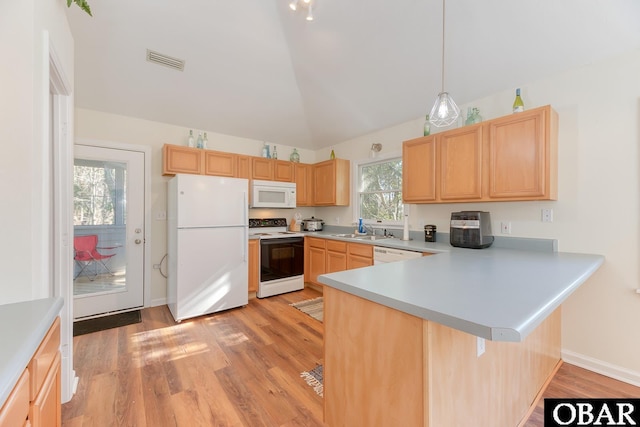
443 45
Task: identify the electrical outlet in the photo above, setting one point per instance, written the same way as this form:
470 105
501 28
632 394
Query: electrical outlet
505 227
161 216
547 215
480 346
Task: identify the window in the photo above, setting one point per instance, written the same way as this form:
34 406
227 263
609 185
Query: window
379 191
98 192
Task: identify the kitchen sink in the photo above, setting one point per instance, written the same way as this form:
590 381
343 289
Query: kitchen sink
359 236
371 237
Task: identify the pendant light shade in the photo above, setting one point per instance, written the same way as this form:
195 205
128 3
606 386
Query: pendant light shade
445 111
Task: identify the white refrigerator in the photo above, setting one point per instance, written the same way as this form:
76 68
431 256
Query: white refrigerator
207 240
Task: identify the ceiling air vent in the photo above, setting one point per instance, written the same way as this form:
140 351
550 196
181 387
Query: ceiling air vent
167 61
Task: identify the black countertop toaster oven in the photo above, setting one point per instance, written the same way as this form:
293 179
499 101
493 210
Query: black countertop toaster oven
470 229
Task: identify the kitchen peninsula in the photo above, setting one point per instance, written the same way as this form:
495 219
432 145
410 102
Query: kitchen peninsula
405 342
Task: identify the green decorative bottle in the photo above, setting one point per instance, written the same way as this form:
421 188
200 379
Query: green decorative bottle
469 120
333 155
518 105
427 126
294 157
475 116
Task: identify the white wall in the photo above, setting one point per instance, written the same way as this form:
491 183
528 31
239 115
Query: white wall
598 202
24 84
95 125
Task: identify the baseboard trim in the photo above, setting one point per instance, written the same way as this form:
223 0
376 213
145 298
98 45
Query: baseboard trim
158 301
601 367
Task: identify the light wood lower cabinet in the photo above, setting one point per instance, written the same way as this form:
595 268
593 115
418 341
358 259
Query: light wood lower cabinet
329 256
16 409
315 259
36 400
359 255
336 256
254 264
426 374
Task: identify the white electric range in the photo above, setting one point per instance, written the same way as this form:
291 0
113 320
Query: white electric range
281 256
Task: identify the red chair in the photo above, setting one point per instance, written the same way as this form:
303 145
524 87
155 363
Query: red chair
86 254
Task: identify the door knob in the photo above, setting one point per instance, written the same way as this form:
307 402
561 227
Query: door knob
138 241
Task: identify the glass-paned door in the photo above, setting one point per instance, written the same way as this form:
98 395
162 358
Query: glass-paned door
108 220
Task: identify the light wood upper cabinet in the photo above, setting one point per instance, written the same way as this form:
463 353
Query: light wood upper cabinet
460 164
178 159
254 264
419 170
509 158
304 184
243 166
331 183
523 156
272 169
283 171
220 163
332 176
262 168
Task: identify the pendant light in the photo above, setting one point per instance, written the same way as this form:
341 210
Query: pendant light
293 5
445 111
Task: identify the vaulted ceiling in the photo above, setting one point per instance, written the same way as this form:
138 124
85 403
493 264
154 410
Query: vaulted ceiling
256 69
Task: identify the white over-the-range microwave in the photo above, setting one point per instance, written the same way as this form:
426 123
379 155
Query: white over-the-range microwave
273 194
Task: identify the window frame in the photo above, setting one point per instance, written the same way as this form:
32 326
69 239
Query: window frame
355 187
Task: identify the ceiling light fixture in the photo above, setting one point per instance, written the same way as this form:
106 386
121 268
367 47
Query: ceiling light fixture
308 5
444 111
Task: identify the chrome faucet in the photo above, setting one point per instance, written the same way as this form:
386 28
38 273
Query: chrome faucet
368 228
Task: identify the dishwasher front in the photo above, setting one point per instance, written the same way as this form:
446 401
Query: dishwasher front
383 255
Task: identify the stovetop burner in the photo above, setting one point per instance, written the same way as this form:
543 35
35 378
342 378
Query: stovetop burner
270 228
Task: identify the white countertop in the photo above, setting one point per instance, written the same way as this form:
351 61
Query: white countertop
497 294
24 326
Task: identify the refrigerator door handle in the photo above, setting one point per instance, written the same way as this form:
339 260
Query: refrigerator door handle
246 228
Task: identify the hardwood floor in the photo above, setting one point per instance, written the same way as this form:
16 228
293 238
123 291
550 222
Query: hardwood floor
235 368
573 382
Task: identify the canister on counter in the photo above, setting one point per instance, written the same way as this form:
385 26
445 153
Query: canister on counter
429 233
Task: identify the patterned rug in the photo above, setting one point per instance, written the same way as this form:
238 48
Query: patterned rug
314 379
312 307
